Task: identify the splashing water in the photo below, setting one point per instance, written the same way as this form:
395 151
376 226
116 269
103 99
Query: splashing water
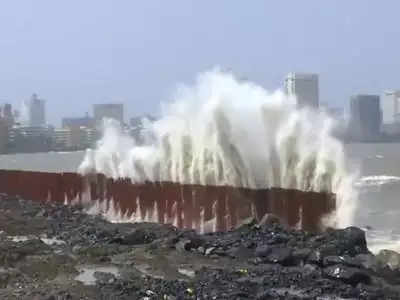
223 131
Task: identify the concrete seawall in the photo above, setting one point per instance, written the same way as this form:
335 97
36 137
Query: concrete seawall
204 208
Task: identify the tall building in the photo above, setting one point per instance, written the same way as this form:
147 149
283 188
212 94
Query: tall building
365 117
4 133
112 111
304 86
390 105
36 110
7 114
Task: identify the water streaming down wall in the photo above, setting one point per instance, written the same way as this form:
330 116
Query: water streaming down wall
204 208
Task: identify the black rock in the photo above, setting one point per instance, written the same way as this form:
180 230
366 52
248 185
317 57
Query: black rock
301 255
184 245
104 278
241 252
336 260
136 237
263 251
281 256
369 261
279 238
390 258
315 257
347 274
349 241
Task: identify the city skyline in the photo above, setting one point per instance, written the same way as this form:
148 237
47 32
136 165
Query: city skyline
99 57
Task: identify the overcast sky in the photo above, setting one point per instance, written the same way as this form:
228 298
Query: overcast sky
78 52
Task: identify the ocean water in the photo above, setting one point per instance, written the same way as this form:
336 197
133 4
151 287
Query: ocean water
379 193
378 207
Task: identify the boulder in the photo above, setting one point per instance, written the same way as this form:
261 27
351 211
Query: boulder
184 245
315 257
136 237
263 251
281 255
390 258
336 260
301 255
369 262
347 274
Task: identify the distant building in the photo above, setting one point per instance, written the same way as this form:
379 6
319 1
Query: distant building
4 132
111 111
85 121
36 109
7 114
365 117
73 138
390 105
29 139
304 86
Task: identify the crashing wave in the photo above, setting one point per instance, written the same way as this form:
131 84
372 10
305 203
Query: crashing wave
223 131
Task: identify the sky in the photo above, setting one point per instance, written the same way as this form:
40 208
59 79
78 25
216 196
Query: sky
76 53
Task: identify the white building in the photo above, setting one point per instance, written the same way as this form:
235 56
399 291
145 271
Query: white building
35 110
304 86
390 106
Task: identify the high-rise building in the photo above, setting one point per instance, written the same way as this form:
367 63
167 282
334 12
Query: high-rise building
7 114
390 105
365 117
36 110
304 86
111 111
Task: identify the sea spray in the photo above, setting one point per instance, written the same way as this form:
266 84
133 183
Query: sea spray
224 131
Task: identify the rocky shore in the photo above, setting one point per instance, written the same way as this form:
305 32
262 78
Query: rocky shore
51 251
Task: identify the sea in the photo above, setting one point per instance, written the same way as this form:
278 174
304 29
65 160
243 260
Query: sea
378 166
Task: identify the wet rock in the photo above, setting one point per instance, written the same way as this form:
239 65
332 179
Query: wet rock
184 245
241 252
368 261
136 237
347 274
301 255
281 256
263 251
315 257
4 276
350 241
209 251
336 260
104 277
279 238
390 258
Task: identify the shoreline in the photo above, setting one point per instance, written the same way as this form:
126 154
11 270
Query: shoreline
52 251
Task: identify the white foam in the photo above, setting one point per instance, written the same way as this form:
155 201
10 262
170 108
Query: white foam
376 180
223 131
379 239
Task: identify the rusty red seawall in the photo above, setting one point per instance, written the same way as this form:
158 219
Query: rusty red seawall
188 205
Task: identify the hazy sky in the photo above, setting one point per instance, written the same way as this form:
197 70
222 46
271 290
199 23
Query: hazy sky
78 52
